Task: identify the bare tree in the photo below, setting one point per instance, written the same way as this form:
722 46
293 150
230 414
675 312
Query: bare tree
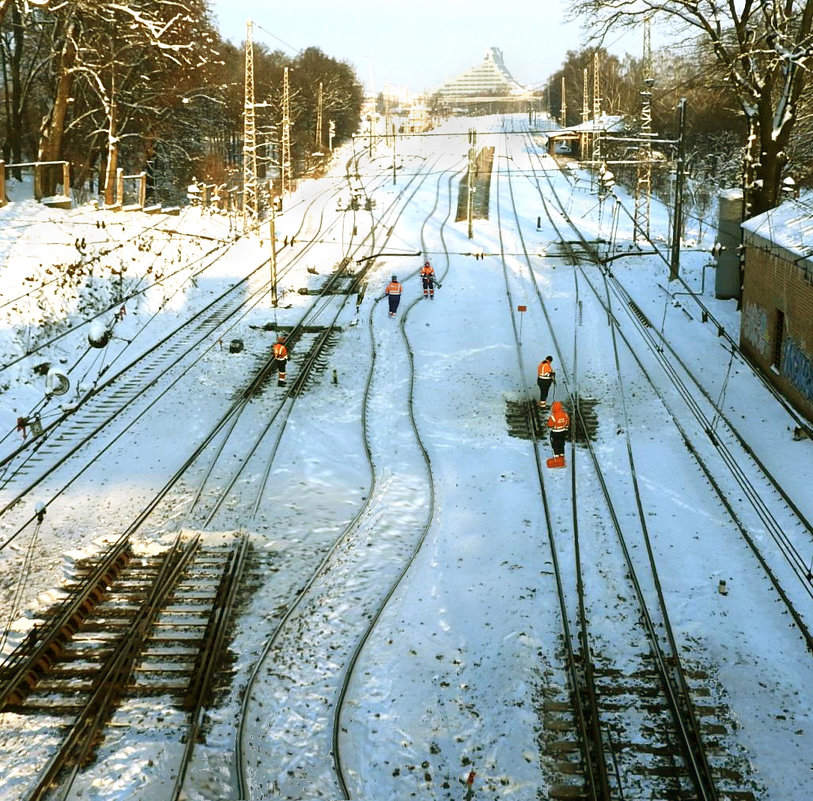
764 50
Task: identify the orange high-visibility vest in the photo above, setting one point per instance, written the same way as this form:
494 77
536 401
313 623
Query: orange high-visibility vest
427 270
394 288
280 351
544 370
559 420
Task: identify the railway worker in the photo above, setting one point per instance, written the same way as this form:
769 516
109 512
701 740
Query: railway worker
280 352
558 423
393 293
544 379
428 280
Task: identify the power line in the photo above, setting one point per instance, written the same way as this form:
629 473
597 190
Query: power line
281 41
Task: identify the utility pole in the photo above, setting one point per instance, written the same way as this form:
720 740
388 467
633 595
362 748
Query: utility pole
394 132
331 132
319 118
286 135
677 221
250 199
273 253
563 110
470 188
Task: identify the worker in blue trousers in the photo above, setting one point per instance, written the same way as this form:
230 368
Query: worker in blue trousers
393 293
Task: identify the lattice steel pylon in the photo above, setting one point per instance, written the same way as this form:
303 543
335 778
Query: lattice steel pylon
250 194
596 110
285 176
585 97
643 187
585 113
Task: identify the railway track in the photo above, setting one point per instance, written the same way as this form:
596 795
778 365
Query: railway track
77 661
752 495
97 409
133 626
343 568
653 740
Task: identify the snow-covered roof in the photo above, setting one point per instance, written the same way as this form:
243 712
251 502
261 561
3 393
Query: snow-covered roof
789 227
609 123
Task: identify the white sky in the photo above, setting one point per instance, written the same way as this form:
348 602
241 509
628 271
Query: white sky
419 44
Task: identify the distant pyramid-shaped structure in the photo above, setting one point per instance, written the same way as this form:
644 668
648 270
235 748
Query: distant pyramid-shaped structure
489 78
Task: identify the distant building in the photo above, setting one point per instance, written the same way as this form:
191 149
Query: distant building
419 120
776 329
489 78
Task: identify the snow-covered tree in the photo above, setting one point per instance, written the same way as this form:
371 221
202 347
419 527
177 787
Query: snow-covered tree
130 63
765 52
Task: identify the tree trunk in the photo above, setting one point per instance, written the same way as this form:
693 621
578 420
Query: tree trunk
53 126
112 157
15 132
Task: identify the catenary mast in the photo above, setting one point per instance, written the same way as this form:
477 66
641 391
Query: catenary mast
250 204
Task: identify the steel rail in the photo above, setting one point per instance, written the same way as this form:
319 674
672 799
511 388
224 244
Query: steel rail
583 692
382 604
296 601
657 347
673 678
83 732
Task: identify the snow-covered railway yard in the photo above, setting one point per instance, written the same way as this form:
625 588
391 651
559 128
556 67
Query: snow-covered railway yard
398 507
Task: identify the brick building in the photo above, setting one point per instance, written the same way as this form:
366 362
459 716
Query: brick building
776 330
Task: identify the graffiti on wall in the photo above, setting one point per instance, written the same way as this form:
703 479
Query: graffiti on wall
755 328
797 368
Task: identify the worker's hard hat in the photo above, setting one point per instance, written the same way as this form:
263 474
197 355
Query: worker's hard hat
548 358
394 278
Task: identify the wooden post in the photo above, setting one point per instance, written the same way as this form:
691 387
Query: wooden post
37 182
66 179
142 189
2 182
119 187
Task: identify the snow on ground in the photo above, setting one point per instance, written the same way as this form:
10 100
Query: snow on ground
455 670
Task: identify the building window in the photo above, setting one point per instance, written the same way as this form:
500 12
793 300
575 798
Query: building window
778 338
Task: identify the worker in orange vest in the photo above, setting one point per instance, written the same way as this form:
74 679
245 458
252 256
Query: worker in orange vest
428 280
544 378
558 423
280 353
393 292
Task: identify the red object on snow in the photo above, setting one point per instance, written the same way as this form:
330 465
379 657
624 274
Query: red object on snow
522 308
556 461
470 778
